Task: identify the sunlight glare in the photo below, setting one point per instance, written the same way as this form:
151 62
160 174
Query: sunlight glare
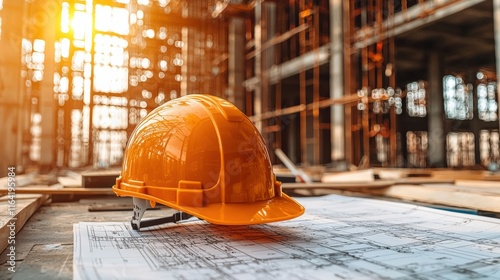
78 25
112 19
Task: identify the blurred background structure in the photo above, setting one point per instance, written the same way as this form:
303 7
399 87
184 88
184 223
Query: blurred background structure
408 83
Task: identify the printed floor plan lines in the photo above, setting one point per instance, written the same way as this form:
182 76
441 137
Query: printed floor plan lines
337 238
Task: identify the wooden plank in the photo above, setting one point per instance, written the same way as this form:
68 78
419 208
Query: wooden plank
338 186
435 173
478 183
75 191
99 178
21 180
466 189
451 197
356 176
69 182
24 208
459 174
390 173
492 177
5 198
424 180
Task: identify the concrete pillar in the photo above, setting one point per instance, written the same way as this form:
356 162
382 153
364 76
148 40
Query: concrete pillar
437 137
257 97
236 93
47 101
236 61
11 97
337 80
265 28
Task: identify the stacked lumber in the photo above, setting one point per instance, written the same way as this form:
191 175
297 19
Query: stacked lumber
16 208
471 189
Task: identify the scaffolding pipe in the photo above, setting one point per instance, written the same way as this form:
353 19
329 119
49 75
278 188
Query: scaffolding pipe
292 67
303 107
411 19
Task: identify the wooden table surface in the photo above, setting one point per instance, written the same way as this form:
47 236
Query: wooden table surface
44 247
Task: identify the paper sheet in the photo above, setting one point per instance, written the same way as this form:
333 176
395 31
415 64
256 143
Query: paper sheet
337 238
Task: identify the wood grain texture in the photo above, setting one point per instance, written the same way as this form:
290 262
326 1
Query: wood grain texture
24 208
74 191
444 195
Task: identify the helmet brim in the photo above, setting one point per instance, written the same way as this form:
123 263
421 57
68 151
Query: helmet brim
273 210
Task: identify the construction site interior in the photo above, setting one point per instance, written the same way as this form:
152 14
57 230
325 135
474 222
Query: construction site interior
392 100
333 84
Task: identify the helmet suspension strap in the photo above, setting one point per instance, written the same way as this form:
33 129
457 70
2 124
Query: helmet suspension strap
141 205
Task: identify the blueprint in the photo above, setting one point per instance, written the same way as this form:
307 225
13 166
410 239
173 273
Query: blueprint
337 238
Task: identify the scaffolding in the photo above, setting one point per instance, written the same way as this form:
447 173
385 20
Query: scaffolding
93 69
287 81
284 78
324 81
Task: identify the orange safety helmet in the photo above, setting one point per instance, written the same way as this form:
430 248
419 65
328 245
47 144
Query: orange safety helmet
200 155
